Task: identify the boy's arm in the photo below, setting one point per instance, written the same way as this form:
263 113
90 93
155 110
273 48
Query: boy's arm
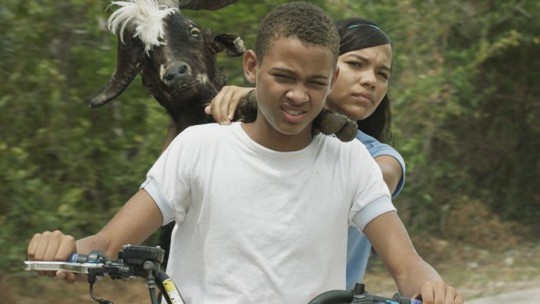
132 224
411 273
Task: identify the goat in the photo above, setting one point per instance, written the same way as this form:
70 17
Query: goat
176 60
174 55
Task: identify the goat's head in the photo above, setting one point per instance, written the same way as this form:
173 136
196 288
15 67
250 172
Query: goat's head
175 56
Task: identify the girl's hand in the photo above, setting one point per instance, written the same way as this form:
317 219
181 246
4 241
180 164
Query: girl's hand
224 104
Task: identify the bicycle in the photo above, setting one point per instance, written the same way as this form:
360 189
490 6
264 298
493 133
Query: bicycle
145 262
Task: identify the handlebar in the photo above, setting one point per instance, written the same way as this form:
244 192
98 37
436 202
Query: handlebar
360 296
133 261
145 262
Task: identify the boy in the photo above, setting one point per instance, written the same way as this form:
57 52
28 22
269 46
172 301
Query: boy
262 208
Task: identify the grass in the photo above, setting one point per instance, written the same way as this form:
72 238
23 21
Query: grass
476 272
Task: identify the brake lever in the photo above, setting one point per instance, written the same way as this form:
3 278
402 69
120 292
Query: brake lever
81 268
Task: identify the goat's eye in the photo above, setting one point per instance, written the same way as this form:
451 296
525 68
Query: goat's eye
195 32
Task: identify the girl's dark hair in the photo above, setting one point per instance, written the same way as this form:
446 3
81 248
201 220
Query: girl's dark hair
356 34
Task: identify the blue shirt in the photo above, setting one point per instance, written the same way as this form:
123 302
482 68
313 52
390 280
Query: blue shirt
358 246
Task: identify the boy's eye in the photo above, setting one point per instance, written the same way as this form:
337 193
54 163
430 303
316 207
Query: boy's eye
318 84
282 77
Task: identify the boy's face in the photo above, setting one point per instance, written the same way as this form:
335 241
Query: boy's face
292 83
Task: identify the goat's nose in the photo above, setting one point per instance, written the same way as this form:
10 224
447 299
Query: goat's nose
176 72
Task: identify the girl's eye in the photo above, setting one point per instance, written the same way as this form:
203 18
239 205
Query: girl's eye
355 64
384 75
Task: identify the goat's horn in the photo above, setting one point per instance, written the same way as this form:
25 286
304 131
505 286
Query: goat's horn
128 55
201 4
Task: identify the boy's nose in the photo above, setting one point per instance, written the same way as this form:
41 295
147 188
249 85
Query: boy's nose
298 94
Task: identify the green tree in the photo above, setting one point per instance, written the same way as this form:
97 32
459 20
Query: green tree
463 88
63 164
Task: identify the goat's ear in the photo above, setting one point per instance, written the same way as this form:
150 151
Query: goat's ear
232 44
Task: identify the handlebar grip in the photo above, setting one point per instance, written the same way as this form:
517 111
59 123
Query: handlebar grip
74 258
404 300
95 257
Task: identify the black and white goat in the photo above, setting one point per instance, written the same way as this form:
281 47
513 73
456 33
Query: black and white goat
176 60
173 54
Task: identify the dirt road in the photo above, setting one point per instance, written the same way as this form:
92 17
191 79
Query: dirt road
530 296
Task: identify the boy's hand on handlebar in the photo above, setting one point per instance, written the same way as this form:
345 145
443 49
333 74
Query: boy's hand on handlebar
440 293
52 246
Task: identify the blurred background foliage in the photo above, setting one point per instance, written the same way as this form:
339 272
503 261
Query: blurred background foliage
464 91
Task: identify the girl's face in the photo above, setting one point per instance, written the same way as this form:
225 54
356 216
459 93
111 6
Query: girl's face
362 82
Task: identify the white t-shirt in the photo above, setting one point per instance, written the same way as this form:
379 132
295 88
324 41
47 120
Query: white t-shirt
259 226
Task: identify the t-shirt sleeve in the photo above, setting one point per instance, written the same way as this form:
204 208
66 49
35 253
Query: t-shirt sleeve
370 212
371 197
153 188
167 180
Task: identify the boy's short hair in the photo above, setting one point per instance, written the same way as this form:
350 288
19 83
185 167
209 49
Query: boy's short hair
301 20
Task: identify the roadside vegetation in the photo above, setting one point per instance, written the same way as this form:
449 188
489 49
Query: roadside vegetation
466 109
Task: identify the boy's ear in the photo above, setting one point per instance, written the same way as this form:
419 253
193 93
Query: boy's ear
249 63
334 78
